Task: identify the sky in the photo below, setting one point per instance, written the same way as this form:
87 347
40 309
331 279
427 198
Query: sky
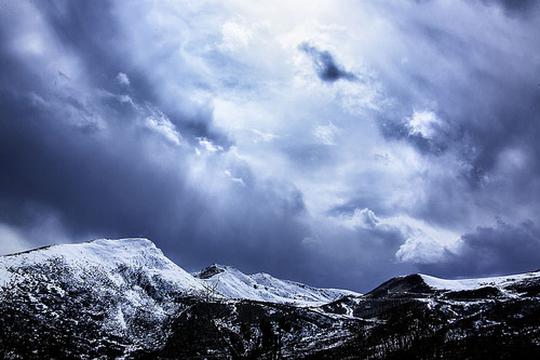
337 142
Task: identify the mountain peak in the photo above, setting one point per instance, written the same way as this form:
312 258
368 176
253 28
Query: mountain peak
105 256
125 244
210 271
140 242
402 285
424 285
234 284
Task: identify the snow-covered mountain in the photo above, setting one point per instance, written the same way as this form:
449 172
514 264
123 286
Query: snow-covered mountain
500 282
104 257
499 286
125 299
109 257
232 283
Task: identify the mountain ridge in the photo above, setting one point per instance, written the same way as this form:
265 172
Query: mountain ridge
125 299
231 282
135 244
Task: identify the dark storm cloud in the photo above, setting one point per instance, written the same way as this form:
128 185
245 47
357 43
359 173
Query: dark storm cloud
511 7
325 65
140 157
515 6
398 128
95 181
107 163
501 249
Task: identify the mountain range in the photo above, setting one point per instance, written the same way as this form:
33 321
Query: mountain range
125 299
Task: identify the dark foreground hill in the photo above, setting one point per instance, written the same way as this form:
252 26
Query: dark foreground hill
124 299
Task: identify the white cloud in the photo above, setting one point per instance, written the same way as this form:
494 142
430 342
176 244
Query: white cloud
326 134
122 79
160 123
125 99
364 218
262 136
235 36
207 145
425 123
512 160
234 179
420 248
422 243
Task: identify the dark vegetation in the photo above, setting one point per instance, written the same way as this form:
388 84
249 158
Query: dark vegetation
52 316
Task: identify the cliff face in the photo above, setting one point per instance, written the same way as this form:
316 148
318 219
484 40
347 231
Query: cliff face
124 298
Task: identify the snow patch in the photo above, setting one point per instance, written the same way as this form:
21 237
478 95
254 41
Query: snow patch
471 284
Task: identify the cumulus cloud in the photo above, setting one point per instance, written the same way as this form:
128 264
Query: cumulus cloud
208 146
424 124
415 241
364 219
499 249
420 248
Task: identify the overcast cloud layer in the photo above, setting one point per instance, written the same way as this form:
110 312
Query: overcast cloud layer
332 142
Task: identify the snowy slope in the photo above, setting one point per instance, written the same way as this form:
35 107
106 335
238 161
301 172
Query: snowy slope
232 283
104 256
471 284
